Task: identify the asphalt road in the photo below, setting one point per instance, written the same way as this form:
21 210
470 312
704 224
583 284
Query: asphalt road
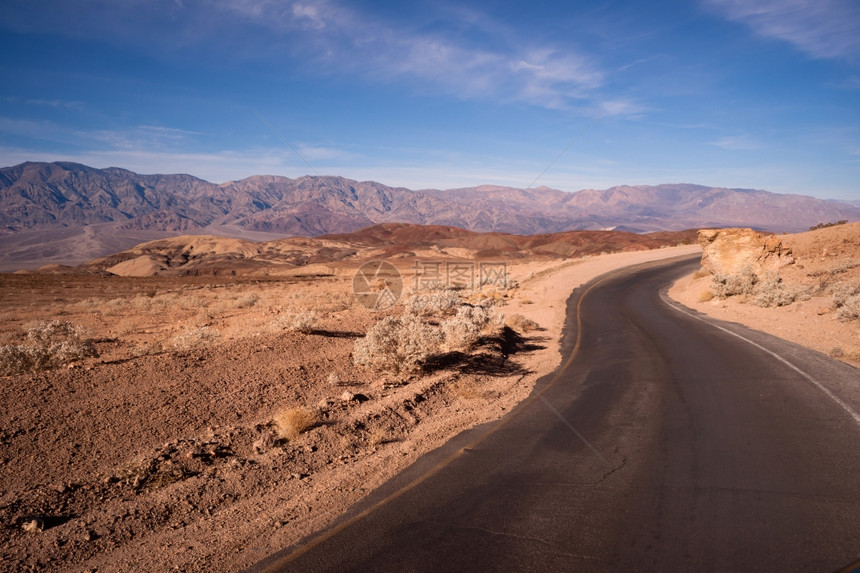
665 442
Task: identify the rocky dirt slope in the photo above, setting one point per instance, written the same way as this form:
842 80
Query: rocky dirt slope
803 287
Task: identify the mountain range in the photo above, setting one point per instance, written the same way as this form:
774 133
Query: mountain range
68 212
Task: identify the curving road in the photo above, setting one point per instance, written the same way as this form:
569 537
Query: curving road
665 442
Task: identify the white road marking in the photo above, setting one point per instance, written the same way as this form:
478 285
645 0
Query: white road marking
836 399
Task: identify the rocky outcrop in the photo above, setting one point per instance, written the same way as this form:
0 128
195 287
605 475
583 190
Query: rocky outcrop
730 251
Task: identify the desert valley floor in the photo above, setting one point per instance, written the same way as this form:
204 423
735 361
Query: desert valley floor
165 452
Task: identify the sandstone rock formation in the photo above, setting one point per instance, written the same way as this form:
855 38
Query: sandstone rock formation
730 251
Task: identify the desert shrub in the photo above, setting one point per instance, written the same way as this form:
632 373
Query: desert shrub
772 291
51 344
846 300
195 338
397 344
842 291
701 272
850 309
292 422
521 324
248 300
16 359
303 321
742 282
706 296
825 225
438 301
465 328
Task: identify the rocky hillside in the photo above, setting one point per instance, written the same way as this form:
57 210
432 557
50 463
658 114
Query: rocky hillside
69 213
209 255
43 195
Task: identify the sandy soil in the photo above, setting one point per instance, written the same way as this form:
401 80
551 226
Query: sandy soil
161 453
825 259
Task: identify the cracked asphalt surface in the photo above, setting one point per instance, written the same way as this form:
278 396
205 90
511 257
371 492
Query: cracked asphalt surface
662 443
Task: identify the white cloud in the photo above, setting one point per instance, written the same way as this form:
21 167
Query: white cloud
821 28
343 40
737 143
616 107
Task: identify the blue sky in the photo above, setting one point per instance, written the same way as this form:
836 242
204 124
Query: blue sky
435 94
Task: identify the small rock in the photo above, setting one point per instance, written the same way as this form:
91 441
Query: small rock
90 535
325 403
34 525
347 396
824 310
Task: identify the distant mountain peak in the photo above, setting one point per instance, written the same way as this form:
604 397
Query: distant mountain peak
47 197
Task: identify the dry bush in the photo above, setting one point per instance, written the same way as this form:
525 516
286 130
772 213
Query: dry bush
17 359
846 300
303 321
196 337
850 309
465 328
772 291
706 296
842 291
397 344
51 344
338 302
701 273
292 422
743 282
248 300
521 324
439 301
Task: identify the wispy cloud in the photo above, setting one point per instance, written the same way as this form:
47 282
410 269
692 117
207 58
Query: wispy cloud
343 40
141 137
615 107
737 143
471 56
821 28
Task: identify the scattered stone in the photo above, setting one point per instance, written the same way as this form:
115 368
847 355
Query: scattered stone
35 525
347 396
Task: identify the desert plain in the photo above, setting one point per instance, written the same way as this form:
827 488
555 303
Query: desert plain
221 416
